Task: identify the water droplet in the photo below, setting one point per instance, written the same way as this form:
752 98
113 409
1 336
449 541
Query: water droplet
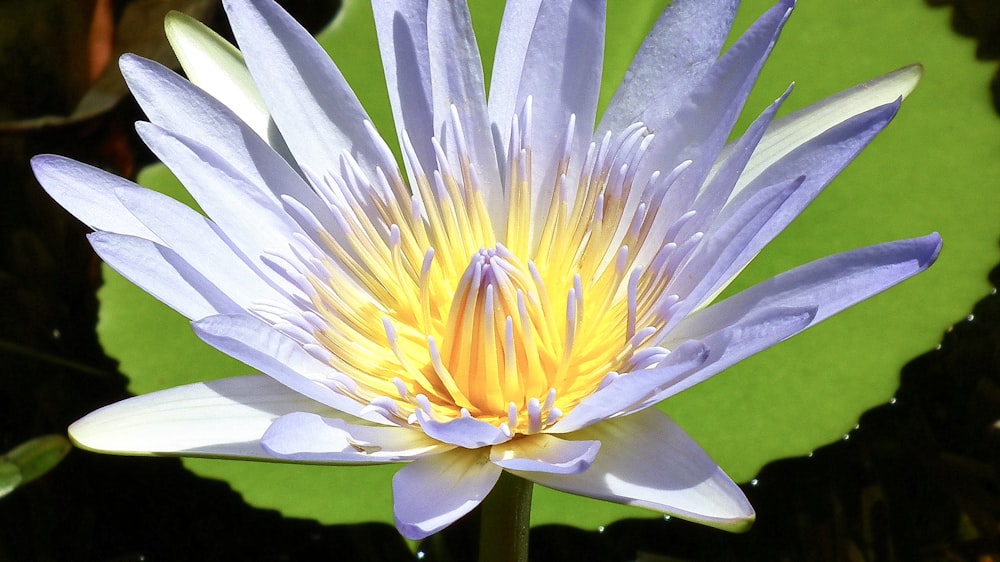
892 401
970 318
754 483
600 529
421 555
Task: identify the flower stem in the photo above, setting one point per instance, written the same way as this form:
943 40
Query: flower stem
506 515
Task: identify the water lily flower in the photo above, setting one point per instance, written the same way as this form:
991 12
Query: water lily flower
515 292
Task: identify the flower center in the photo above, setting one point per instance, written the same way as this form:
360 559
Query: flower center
421 301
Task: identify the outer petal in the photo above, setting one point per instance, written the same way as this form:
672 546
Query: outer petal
817 162
825 286
702 125
682 46
88 193
545 453
223 418
306 437
161 272
433 492
308 98
249 215
175 104
262 347
199 243
830 284
646 460
734 342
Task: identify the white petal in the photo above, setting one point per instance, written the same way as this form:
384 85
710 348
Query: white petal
646 460
215 66
224 418
433 492
306 437
545 453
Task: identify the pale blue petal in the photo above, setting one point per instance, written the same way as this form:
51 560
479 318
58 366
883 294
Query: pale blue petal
222 418
260 346
198 242
719 250
402 39
682 46
646 460
625 391
817 162
545 453
830 284
559 66
701 126
719 187
712 199
433 492
89 194
175 104
249 215
162 273
821 288
465 431
311 103
731 343
307 437
457 85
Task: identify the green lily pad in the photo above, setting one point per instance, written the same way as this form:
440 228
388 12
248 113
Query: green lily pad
933 169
